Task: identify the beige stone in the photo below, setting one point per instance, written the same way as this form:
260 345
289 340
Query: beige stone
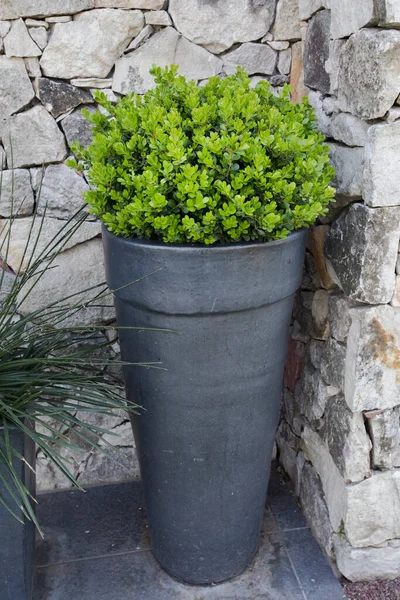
139 39
18 42
16 195
73 272
15 87
92 82
299 90
61 19
384 427
396 296
349 17
389 13
372 378
118 465
163 48
368 93
141 4
13 9
382 165
158 17
254 58
332 482
36 139
36 23
213 25
39 36
349 130
33 67
316 241
287 20
333 63
89 45
349 164
361 564
62 192
373 510
339 316
314 507
43 231
284 61
362 249
276 45
307 8
346 437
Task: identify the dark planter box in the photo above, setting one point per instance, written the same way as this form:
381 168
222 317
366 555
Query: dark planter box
17 545
206 434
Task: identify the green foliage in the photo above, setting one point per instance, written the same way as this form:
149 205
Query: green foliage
52 375
206 164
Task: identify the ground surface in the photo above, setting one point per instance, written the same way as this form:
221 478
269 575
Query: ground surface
96 548
373 590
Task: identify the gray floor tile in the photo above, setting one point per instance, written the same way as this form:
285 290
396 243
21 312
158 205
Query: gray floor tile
137 576
315 575
104 520
283 503
270 524
96 548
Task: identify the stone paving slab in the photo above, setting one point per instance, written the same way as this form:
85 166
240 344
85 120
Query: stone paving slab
96 547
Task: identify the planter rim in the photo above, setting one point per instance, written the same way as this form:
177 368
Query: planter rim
227 246
202 279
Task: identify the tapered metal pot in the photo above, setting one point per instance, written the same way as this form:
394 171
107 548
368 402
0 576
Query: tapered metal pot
206 432
17 540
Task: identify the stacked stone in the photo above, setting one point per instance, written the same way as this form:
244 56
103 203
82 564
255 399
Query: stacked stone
339 438
339 435
53 55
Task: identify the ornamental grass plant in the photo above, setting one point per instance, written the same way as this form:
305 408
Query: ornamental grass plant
206 164
52 375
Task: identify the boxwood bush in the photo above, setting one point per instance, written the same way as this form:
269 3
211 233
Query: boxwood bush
206 164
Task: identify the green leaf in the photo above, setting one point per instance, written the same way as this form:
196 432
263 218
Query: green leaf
184 150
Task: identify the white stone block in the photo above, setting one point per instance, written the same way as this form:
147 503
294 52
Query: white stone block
372 378
364 91
89 45
384 428
163 48
349 130
307 8
18 258
36 139
348 163
16 194
18 42
382 165
212 25
287 21
349 17
13 9
61 192
363 564
373 510
158 17
254 58
362 248
15 87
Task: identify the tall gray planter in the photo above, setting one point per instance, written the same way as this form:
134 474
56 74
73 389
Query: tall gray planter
206 433
17 546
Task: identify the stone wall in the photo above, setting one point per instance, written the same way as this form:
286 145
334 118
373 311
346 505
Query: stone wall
53 55
338 439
